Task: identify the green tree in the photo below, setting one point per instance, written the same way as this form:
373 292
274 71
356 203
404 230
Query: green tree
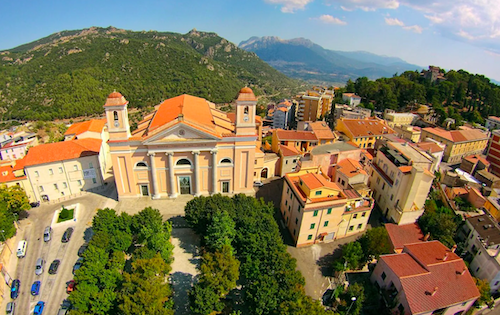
375 242
484 289
204 300
220 232
441 225
14 198
353 255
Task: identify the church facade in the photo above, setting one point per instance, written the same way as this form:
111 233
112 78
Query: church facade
186 146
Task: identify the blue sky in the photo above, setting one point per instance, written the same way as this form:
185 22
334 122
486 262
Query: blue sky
452 34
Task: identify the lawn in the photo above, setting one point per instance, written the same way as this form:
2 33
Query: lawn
65 215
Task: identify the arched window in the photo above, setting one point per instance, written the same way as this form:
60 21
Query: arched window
141 164
183 162
115 115
245 111
226 161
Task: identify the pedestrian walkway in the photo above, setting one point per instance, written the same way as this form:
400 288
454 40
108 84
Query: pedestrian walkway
168 208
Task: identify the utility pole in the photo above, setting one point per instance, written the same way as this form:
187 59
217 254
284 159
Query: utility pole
5 241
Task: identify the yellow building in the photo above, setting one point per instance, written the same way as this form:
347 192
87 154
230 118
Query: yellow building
394 119
459 143
411 133
314 104
316 210
401 180
302 141
186 146
363 132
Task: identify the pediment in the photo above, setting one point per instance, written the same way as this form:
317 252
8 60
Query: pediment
180 133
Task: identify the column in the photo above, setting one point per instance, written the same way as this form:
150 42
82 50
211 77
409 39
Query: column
214 171
171 176
155 195
196 173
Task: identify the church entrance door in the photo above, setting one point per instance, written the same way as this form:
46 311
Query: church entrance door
185 185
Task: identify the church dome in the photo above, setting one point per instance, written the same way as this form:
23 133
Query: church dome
246 89
115 95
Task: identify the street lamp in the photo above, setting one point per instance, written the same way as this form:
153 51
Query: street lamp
353 299
5 241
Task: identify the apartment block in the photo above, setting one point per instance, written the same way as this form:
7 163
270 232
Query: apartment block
394 119
314 104
351 99
493 155
363 132
492 123
401 180
317 210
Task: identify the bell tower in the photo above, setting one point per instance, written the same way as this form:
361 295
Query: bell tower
117 116
245 113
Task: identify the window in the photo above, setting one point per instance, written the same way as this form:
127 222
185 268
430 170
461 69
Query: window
183 162
312 225
383 186
325 224
287 190
294 232
60 170
329 211
94 180
383 275
343 182
355 216
115 115
90 165
360 226
36 174
75 167
397 182
318 193
65 185
62 193
378 180
496 283
288 208
286 162
363 214
392 197
79 182
225 186
51 172
295 161
478 268
298 209
286 202
401 309
141 164
55 187
315 213
351 228
296 220
40 188
226 161
309 237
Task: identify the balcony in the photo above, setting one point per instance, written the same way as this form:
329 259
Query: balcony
382 173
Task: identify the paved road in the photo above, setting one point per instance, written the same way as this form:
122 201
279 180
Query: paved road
53 289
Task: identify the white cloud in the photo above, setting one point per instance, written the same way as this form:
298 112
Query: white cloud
393 21
366 5
328 19
396 22
290 6
466 35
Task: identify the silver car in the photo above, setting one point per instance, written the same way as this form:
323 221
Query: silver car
39 266
47 234
10 309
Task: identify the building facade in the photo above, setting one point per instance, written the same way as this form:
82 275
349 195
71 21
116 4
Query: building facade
13 175
17 150
493 155
401 180
314 104
351 99
394 119
459 143
492 123
186 146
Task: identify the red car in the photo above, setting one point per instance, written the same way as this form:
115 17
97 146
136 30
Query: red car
71 286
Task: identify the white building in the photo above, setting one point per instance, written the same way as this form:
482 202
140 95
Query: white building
351 98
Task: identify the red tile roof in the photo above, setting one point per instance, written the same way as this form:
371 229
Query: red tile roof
475 158
367 127
315 181
61 151
401 235
288 151
7 171
458 135
94 125
446 283
321 129
350 168
295 135
429 146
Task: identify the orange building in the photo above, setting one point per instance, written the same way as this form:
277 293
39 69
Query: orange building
186 146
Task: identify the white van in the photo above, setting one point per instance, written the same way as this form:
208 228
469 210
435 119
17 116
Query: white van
21 248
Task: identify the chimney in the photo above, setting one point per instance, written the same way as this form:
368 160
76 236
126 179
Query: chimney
426 237
454 248
445 257
434 291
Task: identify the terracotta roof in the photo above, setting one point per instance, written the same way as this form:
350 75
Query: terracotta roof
351 95
61 151
350 168
315 181
434 282
494 118
246 94
366 127
321 129
429 146
13 144
401 235
405 169
475 158
7 171
288 151
368 153
115 99
458 135
94 125
295 135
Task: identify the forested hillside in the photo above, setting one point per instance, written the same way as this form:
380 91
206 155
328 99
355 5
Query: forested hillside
69 74
461 96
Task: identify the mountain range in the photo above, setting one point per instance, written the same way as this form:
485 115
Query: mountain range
70 73
300 58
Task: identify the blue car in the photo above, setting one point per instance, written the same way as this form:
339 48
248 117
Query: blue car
35 288
39 308
14 289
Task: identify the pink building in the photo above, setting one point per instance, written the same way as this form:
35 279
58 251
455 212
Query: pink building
426 278
17 150
186 146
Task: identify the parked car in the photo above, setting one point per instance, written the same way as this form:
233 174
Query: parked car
10 309
14 289
39 266
77 265
35 204
67 235
35 288
39 308
82 249
21 248
54 266
47 234
71 286
258 184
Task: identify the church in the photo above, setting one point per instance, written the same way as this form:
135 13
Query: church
186 146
